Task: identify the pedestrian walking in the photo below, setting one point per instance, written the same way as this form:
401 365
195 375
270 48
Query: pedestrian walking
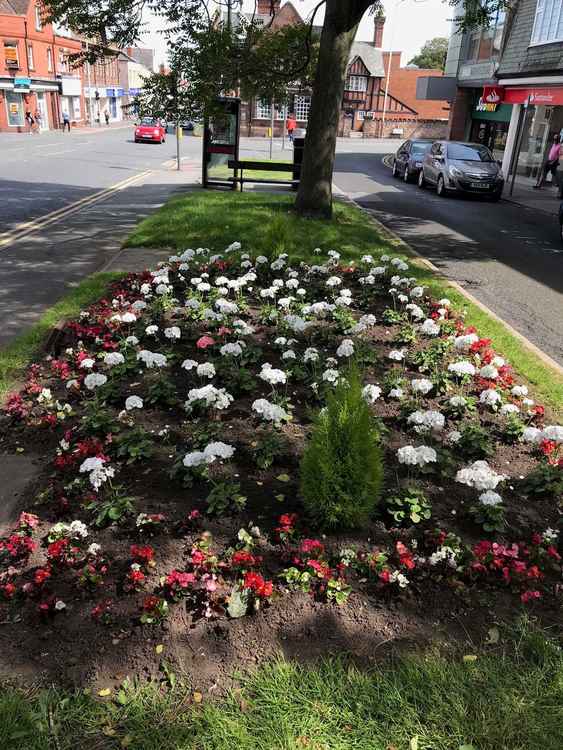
106 115
38 118
291 125
30 121
66 121
551 164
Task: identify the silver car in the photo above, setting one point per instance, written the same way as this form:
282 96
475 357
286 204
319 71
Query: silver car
455 167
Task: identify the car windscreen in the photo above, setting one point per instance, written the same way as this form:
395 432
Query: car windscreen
148 121
418 149
466 152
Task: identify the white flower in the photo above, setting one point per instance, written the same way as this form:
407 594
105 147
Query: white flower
45 396
232 350
94 380
271 375
152 359
453 437
550 536
87 363
532 435
71 384
553 432
422 385
60 605
94 549
417 313
97 469
333 281
490 397
211 396
280 341
296 323
189 364
430 328
411 456
206 370
78 530
133 402
464 343
519 391
424 421
311 355
498 362
242 328
128 317
479 475
399 578
346 348
443 554
396 393
261 259
397 355
489 372
173 333
461 368
330 376
490 498
417 291
225 307
132 340
509 409
218 450
269 411
112 359
371 393
457 401
151 330
289 354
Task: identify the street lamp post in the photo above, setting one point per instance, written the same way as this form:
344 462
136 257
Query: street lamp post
90 112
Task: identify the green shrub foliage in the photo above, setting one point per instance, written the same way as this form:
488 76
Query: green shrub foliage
342 466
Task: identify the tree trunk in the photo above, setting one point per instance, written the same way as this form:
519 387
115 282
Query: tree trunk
314 197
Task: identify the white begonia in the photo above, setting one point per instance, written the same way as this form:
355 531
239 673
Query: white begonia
490 397
261 259
453 437
94 549
133 402
422 385
379 271
425 421
498 361
399 578
151 330
296 323
396 393
289 354
192 303
112 359
152 359
206 370
416 312
457 401
87 363
94 380
417 292
532 435
233 247
420 456
366 259
490 498
78 530
333 281
132 340
397 355
367 280
550 536
479 475
280 341
330 375
243 328
443 554
489 372
292 283
98 471
554 433
464 343
189 364
45 396
385 258
72 384
270 412
430 328
519 391
509 409
444 302
311 354
163 289
231 350
271 375
462 368
226 307
371 393
346 348
173 333
219 398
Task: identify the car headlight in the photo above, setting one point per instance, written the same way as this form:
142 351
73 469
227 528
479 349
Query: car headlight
455 172
156 131
137 132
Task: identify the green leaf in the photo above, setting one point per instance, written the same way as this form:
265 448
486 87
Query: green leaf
238 603
283 478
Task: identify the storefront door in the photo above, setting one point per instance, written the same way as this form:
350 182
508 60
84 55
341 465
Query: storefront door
540 124
42 107
14 107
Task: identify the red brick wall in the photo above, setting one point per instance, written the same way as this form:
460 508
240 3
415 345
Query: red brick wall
459 115
402 85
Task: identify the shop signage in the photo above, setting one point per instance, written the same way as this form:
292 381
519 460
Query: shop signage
492 94
483 106
14 108
22 85
534 96
11 55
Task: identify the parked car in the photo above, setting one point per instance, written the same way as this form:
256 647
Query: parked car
408 159
455 167
150 130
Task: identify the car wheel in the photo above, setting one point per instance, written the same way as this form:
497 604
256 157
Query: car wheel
406 175
421 179
441 187
395 171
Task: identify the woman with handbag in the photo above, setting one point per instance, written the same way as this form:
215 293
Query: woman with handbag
551 164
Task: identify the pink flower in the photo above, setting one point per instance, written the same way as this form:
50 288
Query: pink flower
204 342
529 595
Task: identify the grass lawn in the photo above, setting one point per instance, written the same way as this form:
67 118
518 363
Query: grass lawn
264 223
15 357
417 702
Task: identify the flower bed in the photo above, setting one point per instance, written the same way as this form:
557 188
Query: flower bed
174 419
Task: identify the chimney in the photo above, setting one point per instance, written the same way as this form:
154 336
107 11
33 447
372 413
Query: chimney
268 7
379 24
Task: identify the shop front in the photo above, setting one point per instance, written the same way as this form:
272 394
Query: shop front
490 121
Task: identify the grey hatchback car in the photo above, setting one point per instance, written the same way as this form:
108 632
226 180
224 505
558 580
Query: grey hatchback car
455 167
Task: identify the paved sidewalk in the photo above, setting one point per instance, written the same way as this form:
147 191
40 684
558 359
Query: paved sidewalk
545 200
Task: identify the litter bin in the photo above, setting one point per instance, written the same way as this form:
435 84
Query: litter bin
298 147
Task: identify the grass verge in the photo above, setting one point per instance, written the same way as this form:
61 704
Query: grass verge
19 354
265 223
428 702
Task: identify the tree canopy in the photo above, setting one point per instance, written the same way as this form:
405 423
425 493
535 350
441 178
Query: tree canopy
432 55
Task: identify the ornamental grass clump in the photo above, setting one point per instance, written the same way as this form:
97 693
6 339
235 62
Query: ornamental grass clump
342 466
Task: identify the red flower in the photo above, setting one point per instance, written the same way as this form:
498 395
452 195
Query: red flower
8 590
244 559
385 576
142 553
176 579
41 575
198 558
204 342
323 571
102 610
150 603
538 411
311 547
254 582
405 556
529 595
552 552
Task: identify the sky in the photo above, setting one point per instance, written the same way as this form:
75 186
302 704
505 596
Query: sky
409 24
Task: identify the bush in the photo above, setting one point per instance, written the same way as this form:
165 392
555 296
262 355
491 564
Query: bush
342 466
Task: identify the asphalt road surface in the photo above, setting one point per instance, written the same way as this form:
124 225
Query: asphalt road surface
507 256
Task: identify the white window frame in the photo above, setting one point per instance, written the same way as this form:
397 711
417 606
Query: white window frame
49 60
38 19
263 110
357 83
550 10
302 107
30 58
360 115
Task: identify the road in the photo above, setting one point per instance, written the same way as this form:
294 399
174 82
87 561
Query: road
509 257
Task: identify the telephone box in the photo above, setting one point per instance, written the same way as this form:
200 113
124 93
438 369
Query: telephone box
221 135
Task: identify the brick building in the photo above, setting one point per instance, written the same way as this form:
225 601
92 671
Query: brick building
363 102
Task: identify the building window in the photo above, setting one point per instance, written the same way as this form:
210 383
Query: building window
11 55
263 110
76 107
14 108
30 61
38 19
360 115
301 107
63 64
49 59
548 22
357 83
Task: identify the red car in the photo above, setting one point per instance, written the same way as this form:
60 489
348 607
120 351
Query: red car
150 130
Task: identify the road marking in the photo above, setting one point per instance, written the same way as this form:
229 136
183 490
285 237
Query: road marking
29 227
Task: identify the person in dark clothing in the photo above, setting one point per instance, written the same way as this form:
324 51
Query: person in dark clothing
66 121
106 115
30 121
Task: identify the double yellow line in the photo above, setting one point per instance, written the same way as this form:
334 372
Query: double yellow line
29 227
